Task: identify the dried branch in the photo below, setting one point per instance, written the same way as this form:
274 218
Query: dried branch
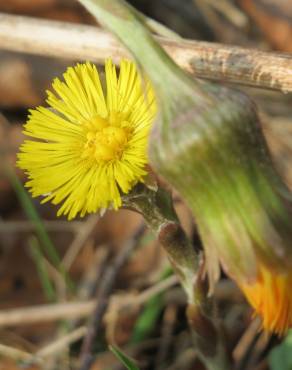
45 313
61 343
24 226
205 60
81 237
77 310
50 349
16 354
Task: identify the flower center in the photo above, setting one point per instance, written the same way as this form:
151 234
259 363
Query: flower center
106 138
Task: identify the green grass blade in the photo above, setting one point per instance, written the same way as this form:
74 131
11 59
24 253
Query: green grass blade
149 316
125 360
39 260
41 232
147 319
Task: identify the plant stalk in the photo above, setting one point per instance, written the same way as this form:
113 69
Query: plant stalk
156 206
160 216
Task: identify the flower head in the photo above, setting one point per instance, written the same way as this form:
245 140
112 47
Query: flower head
91 145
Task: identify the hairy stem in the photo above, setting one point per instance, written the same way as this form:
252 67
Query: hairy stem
159 214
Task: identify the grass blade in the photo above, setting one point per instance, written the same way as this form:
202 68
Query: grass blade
125 360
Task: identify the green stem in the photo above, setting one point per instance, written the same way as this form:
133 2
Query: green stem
158 212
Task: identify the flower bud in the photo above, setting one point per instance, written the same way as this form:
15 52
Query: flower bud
214 154
208 144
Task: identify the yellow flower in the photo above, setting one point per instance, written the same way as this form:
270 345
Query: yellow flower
91 145
270 296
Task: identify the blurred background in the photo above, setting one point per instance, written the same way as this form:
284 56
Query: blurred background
115 258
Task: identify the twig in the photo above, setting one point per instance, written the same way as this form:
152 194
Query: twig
119 304
92 275
242 350
59 282
16 354
105 289
259 349
38 357
81 237
73 310
169 319
230 11
205 60
27 226
45 313
155 289
58 345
